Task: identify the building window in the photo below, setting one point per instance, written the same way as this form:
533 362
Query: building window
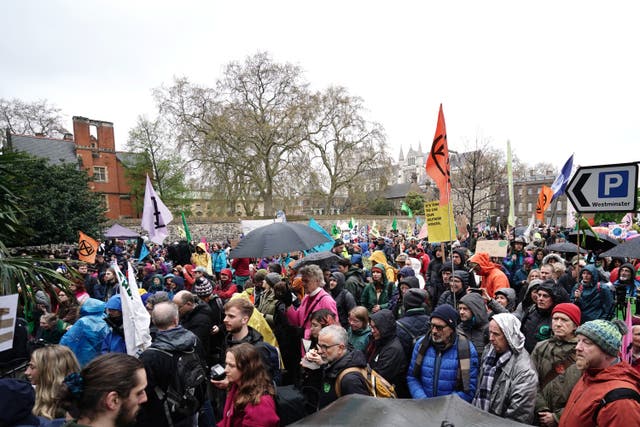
529 207
519 191
105 202
100 174
520 207
559 208
529 191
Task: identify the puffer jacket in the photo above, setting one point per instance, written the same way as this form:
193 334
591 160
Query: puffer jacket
416 321
596 299
438 376
386 354
493 277
476 329
551 359
589 391
85 337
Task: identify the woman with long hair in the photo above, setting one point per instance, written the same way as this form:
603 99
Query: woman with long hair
46 371
250 397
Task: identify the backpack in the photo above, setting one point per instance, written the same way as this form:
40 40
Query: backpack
464 361
270 356
187 389
291 404
612 395
378 386
404 327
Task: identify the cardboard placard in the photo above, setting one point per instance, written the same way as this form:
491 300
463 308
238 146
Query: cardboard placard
497 248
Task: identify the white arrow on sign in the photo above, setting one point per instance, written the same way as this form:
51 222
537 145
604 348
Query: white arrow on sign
604 188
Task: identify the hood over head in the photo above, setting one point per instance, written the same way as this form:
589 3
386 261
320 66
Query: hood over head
594 273
385 323
510 295
378 257
477 306
510 326
175 339
91 307
552 258
484 263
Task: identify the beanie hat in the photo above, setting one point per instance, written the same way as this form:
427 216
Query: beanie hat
414 298
462 275
448 314
260 275
114 303
272 279
569 309
17 410
42 298
406 272
410 281
379 268
605 334
203 288
356 259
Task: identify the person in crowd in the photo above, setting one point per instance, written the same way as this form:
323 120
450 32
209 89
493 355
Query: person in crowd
237 313
437 364
201 258
333 348
492 276
315 298
474 321
204 291
114 341
354 278
51 329
90 281
516 260
282 329
110 283
225 287
378 294
404 284
504 301
320 319
17 411
529 299
85 337
520 276
159 365
379 257
343 298
79 292
594 299
157 284
385 353
241 270
536 322
68 308
507 382
267 303
634 346
415 321
108 392
46 369
602 372
250 397
197 317
626 287
359 331
218 259
457 287
552 360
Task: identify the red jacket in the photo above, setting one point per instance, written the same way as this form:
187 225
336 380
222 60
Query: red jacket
241 266
592 387
492 276
261 415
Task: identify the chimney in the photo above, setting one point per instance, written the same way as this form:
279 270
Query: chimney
68 136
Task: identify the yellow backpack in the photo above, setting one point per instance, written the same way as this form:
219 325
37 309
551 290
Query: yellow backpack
377 385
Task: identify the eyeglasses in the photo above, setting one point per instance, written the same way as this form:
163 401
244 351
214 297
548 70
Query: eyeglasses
325 347
438 328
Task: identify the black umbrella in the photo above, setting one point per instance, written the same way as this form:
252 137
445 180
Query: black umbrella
593 241
566 247
358 410
627 249
277 238
324 260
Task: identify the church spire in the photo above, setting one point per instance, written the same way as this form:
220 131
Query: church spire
401 156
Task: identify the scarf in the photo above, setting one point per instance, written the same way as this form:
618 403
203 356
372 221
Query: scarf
492 367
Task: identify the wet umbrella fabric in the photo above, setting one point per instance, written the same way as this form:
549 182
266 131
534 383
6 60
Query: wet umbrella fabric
566 247
277 238
591 240
358 410
626 249
322 259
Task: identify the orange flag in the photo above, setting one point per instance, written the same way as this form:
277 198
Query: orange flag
544 200
87 249
438 160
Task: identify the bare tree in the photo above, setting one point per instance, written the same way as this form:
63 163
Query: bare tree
345 144
474 183
30 118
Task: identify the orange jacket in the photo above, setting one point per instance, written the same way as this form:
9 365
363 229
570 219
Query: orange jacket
492 276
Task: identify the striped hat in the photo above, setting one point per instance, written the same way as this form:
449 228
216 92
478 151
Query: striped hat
605 334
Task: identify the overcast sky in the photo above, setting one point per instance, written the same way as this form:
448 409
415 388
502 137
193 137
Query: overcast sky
553 77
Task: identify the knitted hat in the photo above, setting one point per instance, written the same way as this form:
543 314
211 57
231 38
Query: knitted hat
260 275
203 288
462 275
414 298
272 279
379 268
570 310
606 335
406 272
356 259
446 313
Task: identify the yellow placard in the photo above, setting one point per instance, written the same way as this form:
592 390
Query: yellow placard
440 224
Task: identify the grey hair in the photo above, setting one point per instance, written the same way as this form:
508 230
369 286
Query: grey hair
313 272
336 332
165 315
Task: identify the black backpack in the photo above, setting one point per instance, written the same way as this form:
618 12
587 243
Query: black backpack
187 389
612 395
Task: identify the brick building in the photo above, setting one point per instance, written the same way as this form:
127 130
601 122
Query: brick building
92 147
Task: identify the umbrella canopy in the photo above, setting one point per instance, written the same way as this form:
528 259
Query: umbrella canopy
117 231
566 247
591 240
358 410
324 260
627 249
277 238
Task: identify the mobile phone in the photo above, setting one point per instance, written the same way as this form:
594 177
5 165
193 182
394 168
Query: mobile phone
476 290
217 373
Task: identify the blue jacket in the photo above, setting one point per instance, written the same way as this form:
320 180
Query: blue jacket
439 373
218 260
596 299
86 335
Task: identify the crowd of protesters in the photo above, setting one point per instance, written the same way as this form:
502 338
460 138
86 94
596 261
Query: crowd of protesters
532 337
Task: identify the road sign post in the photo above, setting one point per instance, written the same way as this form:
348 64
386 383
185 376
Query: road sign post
604 188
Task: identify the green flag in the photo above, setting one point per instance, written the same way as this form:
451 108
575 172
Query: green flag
187 233
334 230
406 209
583 225
351 223
394 224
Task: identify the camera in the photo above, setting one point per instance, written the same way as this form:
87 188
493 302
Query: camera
217 373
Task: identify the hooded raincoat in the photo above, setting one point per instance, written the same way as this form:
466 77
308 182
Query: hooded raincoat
492 276
85 337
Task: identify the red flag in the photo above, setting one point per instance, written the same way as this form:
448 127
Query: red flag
87 249
438 160
544 200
